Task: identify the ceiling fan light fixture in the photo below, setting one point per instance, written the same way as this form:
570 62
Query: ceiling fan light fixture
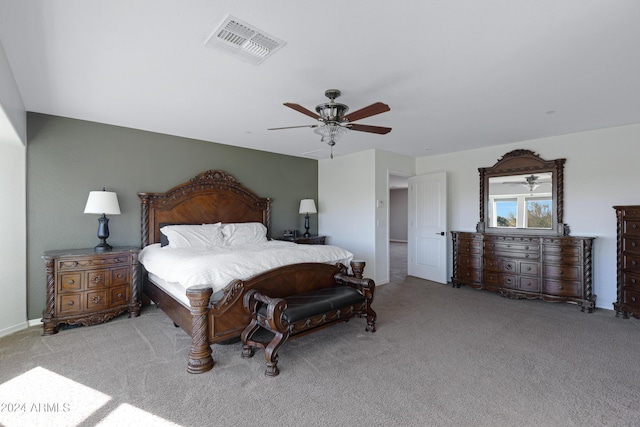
331 131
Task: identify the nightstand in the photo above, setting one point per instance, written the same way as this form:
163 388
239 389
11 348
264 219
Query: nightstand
85 287
312 240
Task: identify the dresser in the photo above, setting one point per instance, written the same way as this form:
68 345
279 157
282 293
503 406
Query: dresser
552 268
85 287
628 265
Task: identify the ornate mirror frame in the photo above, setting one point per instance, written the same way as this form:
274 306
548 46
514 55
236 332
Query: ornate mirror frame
519 162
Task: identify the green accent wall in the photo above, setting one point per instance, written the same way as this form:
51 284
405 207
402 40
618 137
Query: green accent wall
67 158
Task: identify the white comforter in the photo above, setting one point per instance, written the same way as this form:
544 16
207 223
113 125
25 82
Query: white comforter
219 266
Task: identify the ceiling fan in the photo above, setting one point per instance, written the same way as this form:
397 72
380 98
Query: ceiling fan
531 182
334 120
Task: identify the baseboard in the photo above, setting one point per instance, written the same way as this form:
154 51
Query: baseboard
12 329
398 241
35 322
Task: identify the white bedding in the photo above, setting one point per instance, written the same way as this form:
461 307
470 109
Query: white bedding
220 265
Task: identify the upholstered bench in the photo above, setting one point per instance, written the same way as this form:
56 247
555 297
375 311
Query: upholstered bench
303 313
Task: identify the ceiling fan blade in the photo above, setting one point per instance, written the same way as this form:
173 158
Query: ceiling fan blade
369 111
293 127
367 128
299 108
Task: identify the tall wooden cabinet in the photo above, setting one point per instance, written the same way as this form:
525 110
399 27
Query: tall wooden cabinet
552 268
628 277
85 287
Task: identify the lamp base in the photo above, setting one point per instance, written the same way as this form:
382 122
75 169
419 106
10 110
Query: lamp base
103 247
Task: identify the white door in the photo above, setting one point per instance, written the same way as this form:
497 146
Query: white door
427 248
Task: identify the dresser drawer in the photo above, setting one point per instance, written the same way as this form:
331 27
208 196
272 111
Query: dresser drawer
508 247
530 268
492 278
533 255
529 284
631 227
69 282
631 245
565 272
564 253
562 288
631 298
493 264
468 261
631 263
509 281
630 280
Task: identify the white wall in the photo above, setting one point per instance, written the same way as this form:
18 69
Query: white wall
346 209
13 251
348 213
601 171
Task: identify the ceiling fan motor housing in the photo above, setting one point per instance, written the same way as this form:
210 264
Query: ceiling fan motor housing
331 111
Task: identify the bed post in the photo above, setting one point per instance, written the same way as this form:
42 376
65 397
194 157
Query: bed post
200 359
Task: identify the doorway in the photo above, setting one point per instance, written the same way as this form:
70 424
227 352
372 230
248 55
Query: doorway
398 227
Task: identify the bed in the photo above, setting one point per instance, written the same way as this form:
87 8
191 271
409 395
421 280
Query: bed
210 312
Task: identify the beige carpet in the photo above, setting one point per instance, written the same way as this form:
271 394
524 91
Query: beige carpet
441 357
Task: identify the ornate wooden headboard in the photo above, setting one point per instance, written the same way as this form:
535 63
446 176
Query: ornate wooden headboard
210 197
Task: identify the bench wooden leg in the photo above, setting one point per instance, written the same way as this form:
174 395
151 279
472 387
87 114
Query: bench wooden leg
247 334
271 353
371 320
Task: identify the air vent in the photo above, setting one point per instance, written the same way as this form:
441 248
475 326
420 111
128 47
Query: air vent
244 40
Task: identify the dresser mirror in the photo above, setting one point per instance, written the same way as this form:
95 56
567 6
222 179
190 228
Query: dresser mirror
522 194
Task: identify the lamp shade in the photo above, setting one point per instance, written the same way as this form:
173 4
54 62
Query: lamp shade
102 202
307 206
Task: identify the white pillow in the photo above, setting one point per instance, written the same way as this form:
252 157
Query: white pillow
244 233
194 236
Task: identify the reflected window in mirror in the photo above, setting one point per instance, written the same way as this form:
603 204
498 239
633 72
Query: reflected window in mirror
521 201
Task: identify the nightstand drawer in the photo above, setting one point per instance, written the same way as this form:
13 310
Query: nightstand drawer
97 279
119 276
119 295
69 304
97 300
69 282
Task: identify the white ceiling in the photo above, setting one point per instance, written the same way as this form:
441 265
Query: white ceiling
457 74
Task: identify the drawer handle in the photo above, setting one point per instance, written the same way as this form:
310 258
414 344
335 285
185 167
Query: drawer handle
70 282
96 279
526 247
634 226
528 268
560 272
633 299
634 244
120 276
120 295
633 262
70 302
633 281
526 255
509 280
561 287
96 299
116 260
